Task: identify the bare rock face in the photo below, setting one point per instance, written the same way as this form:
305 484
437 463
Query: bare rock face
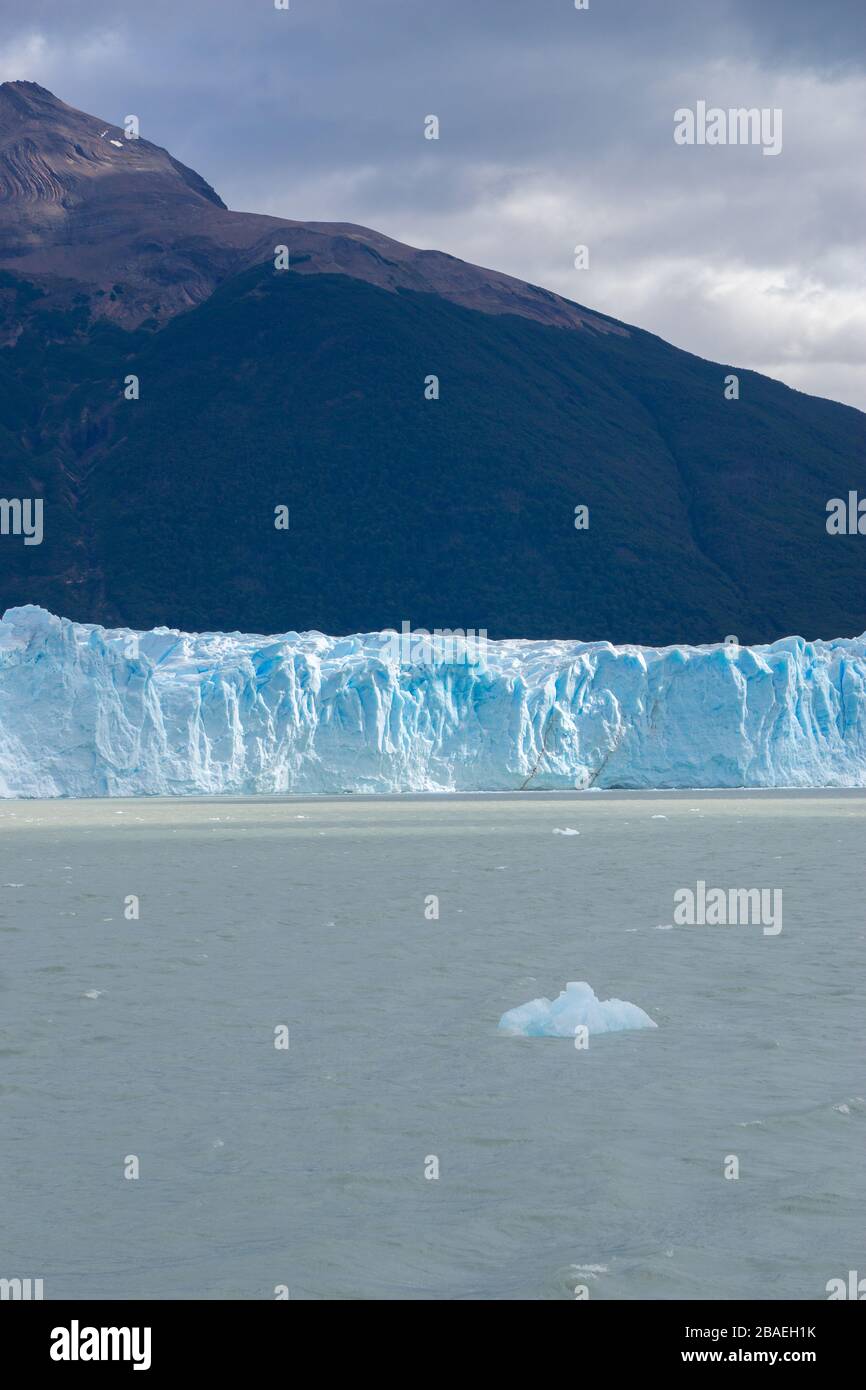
83 208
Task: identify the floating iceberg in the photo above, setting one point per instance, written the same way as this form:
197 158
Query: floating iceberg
88 711
576 1006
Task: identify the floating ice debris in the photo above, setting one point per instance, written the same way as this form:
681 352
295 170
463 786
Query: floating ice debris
590 1271
92 993
567 831
576 1006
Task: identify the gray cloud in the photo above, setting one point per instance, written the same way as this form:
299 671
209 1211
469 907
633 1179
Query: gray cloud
556 129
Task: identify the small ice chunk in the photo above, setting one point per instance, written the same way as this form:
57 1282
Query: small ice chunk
567 831
576 1006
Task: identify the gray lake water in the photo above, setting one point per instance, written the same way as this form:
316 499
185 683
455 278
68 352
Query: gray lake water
262 1167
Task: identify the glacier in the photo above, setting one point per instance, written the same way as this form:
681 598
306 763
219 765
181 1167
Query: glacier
575 1006
87 711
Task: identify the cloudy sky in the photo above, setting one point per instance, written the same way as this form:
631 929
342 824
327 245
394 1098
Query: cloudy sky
556 129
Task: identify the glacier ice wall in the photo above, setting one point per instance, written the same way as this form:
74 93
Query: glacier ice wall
87 711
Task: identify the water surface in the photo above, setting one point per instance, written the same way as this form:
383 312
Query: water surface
558 1168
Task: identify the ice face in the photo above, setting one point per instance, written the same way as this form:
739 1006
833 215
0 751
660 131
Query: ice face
87 711
576 1006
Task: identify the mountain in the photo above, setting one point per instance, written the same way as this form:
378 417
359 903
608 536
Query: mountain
83 206
93 712
261 388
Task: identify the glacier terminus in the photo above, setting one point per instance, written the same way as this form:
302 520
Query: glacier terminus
87 711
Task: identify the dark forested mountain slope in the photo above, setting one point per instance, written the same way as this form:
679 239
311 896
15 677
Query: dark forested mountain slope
306 388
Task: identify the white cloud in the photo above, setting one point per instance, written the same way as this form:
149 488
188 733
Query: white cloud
557 129
32 57
737 258
24 57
